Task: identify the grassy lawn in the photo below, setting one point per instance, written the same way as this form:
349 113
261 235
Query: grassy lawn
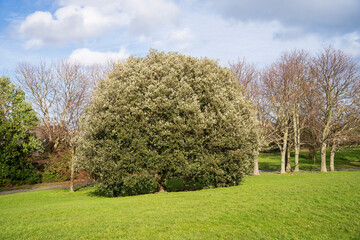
272 206
347 158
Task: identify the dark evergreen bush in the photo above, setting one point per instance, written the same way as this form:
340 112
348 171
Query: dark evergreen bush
17 119
57 169
170 116
181 184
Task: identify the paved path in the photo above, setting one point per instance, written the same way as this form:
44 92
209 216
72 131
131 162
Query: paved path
45 188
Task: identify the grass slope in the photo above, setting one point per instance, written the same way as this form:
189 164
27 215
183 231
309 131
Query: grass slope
272 206
346 158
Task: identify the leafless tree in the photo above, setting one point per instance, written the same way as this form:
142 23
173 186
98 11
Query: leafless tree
278 91
73 97
248 77
346 122
335 75
39 82
285 85
60 92
97 72
297 71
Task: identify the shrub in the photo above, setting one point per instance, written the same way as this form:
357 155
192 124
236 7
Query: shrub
131 184
181 184
17 118
139 184
58 168
171 116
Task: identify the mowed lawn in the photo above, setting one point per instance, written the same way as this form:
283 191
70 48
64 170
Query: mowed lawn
272 206
346 158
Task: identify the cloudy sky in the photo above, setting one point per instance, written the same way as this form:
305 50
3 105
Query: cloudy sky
92 31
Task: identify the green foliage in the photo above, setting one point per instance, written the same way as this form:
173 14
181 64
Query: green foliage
181 184
171 116
58 168
139 184
131 184
17 118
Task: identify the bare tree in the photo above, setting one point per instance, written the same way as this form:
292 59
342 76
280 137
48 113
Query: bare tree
248 77
60 92
278 93
335 74
97 72
311 133
285 86
39 82
73 97
346 122
297 71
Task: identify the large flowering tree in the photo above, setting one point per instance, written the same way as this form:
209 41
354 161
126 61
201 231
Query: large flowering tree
168 116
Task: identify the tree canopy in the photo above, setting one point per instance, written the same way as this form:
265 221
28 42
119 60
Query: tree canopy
17 119
168 119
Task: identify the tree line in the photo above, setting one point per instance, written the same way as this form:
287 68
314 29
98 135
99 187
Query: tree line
304 101
301 101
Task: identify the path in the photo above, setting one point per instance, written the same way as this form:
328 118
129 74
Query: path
45 188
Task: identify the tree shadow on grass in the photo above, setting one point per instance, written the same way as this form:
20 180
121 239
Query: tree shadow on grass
97 193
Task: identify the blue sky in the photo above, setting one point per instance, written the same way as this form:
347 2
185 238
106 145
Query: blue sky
92 31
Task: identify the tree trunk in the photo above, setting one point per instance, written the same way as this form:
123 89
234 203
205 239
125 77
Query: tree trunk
323 157
324 138
72 177
72 172
256 164
296 139
283 151
332 157
297 151
288 159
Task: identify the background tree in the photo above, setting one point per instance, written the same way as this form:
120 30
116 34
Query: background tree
312 132
335 76
59 91
297 71
248 77
278 91
347 120
17 119
167 118
39 82
73 96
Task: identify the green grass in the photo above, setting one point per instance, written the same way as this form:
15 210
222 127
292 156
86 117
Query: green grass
347 158
272 206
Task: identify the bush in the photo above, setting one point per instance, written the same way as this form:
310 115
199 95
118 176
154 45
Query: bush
17 118
133 184
181 184
25 174
58 168
171 116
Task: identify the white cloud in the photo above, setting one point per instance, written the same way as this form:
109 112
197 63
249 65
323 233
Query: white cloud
260 33
34 43
78 20
349 43
181 38
259 42
88 57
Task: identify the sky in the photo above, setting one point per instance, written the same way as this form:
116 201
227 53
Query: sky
94 31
